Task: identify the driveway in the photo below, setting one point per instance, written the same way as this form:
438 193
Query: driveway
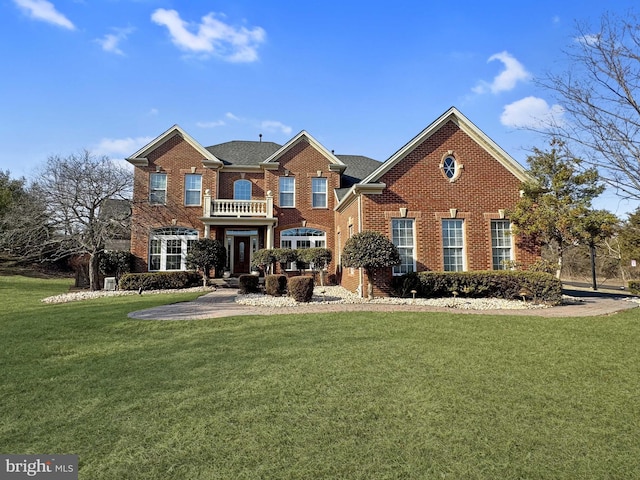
221 303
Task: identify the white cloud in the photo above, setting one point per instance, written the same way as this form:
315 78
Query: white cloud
555 19
120 147
590 40
275 126
213 124
231 116
111 41
213 37
507 79
531 112
153 112
45 11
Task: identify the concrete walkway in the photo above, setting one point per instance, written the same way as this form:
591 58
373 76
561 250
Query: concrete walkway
221 303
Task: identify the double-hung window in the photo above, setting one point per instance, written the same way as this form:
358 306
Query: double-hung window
287 192
453 245
501 244
158 188
403 238
192 189
319 192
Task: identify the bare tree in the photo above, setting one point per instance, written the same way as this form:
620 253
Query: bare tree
600 95
62 214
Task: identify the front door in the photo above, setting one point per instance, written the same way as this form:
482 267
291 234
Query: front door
241 255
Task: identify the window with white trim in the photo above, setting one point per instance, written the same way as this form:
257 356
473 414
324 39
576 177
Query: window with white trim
501 244
168 248
453 245
449 167
300 238
242 190
158 188
193 189
319 192
287 192
402 237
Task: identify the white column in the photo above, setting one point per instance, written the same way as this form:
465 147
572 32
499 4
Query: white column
206 208
269 239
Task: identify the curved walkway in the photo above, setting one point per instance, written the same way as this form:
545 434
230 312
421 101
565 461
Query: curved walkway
221 303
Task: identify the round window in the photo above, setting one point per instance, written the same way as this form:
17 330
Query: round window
449 167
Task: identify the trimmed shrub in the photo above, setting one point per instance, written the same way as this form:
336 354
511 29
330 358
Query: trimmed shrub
159 280
507 284
275 285
115 263
634 287
263 259
284 256
402 286
301 288
248 284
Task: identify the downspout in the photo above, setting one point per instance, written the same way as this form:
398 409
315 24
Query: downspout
361 273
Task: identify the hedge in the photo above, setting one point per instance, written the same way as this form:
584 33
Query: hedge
634 287
248 284
507 284
159 280
301 288
275 285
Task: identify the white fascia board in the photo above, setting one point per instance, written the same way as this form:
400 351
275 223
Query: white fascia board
454 115
317 145
359 189
209 160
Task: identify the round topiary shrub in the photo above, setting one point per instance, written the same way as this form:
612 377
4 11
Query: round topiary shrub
301 288
275 285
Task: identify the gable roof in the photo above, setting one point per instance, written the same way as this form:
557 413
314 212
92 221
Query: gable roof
140 157
239 152
452 115
301 137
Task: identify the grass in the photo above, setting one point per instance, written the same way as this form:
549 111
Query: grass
355 396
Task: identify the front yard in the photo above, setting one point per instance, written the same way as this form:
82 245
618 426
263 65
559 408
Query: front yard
405 395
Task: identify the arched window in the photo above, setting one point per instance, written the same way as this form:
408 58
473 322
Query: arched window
242 190
299 238
168 247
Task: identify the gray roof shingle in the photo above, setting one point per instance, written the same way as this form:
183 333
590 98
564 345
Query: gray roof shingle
240 152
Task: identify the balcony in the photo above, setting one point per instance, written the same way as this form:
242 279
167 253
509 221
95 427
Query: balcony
238 208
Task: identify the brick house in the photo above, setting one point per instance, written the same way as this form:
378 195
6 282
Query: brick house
441 199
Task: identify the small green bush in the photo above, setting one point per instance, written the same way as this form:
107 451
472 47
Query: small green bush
402 286
248 284
275 285
159 280
634 287
507 284
301 288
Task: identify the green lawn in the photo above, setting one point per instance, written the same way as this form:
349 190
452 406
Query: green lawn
357 396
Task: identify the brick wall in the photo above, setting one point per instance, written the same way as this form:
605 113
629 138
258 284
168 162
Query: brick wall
176 158
303 161
417 183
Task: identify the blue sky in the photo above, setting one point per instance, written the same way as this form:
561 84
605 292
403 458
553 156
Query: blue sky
361 77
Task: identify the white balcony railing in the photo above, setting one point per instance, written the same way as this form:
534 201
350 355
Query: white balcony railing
238 208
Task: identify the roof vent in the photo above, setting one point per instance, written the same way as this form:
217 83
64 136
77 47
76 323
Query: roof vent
260 138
